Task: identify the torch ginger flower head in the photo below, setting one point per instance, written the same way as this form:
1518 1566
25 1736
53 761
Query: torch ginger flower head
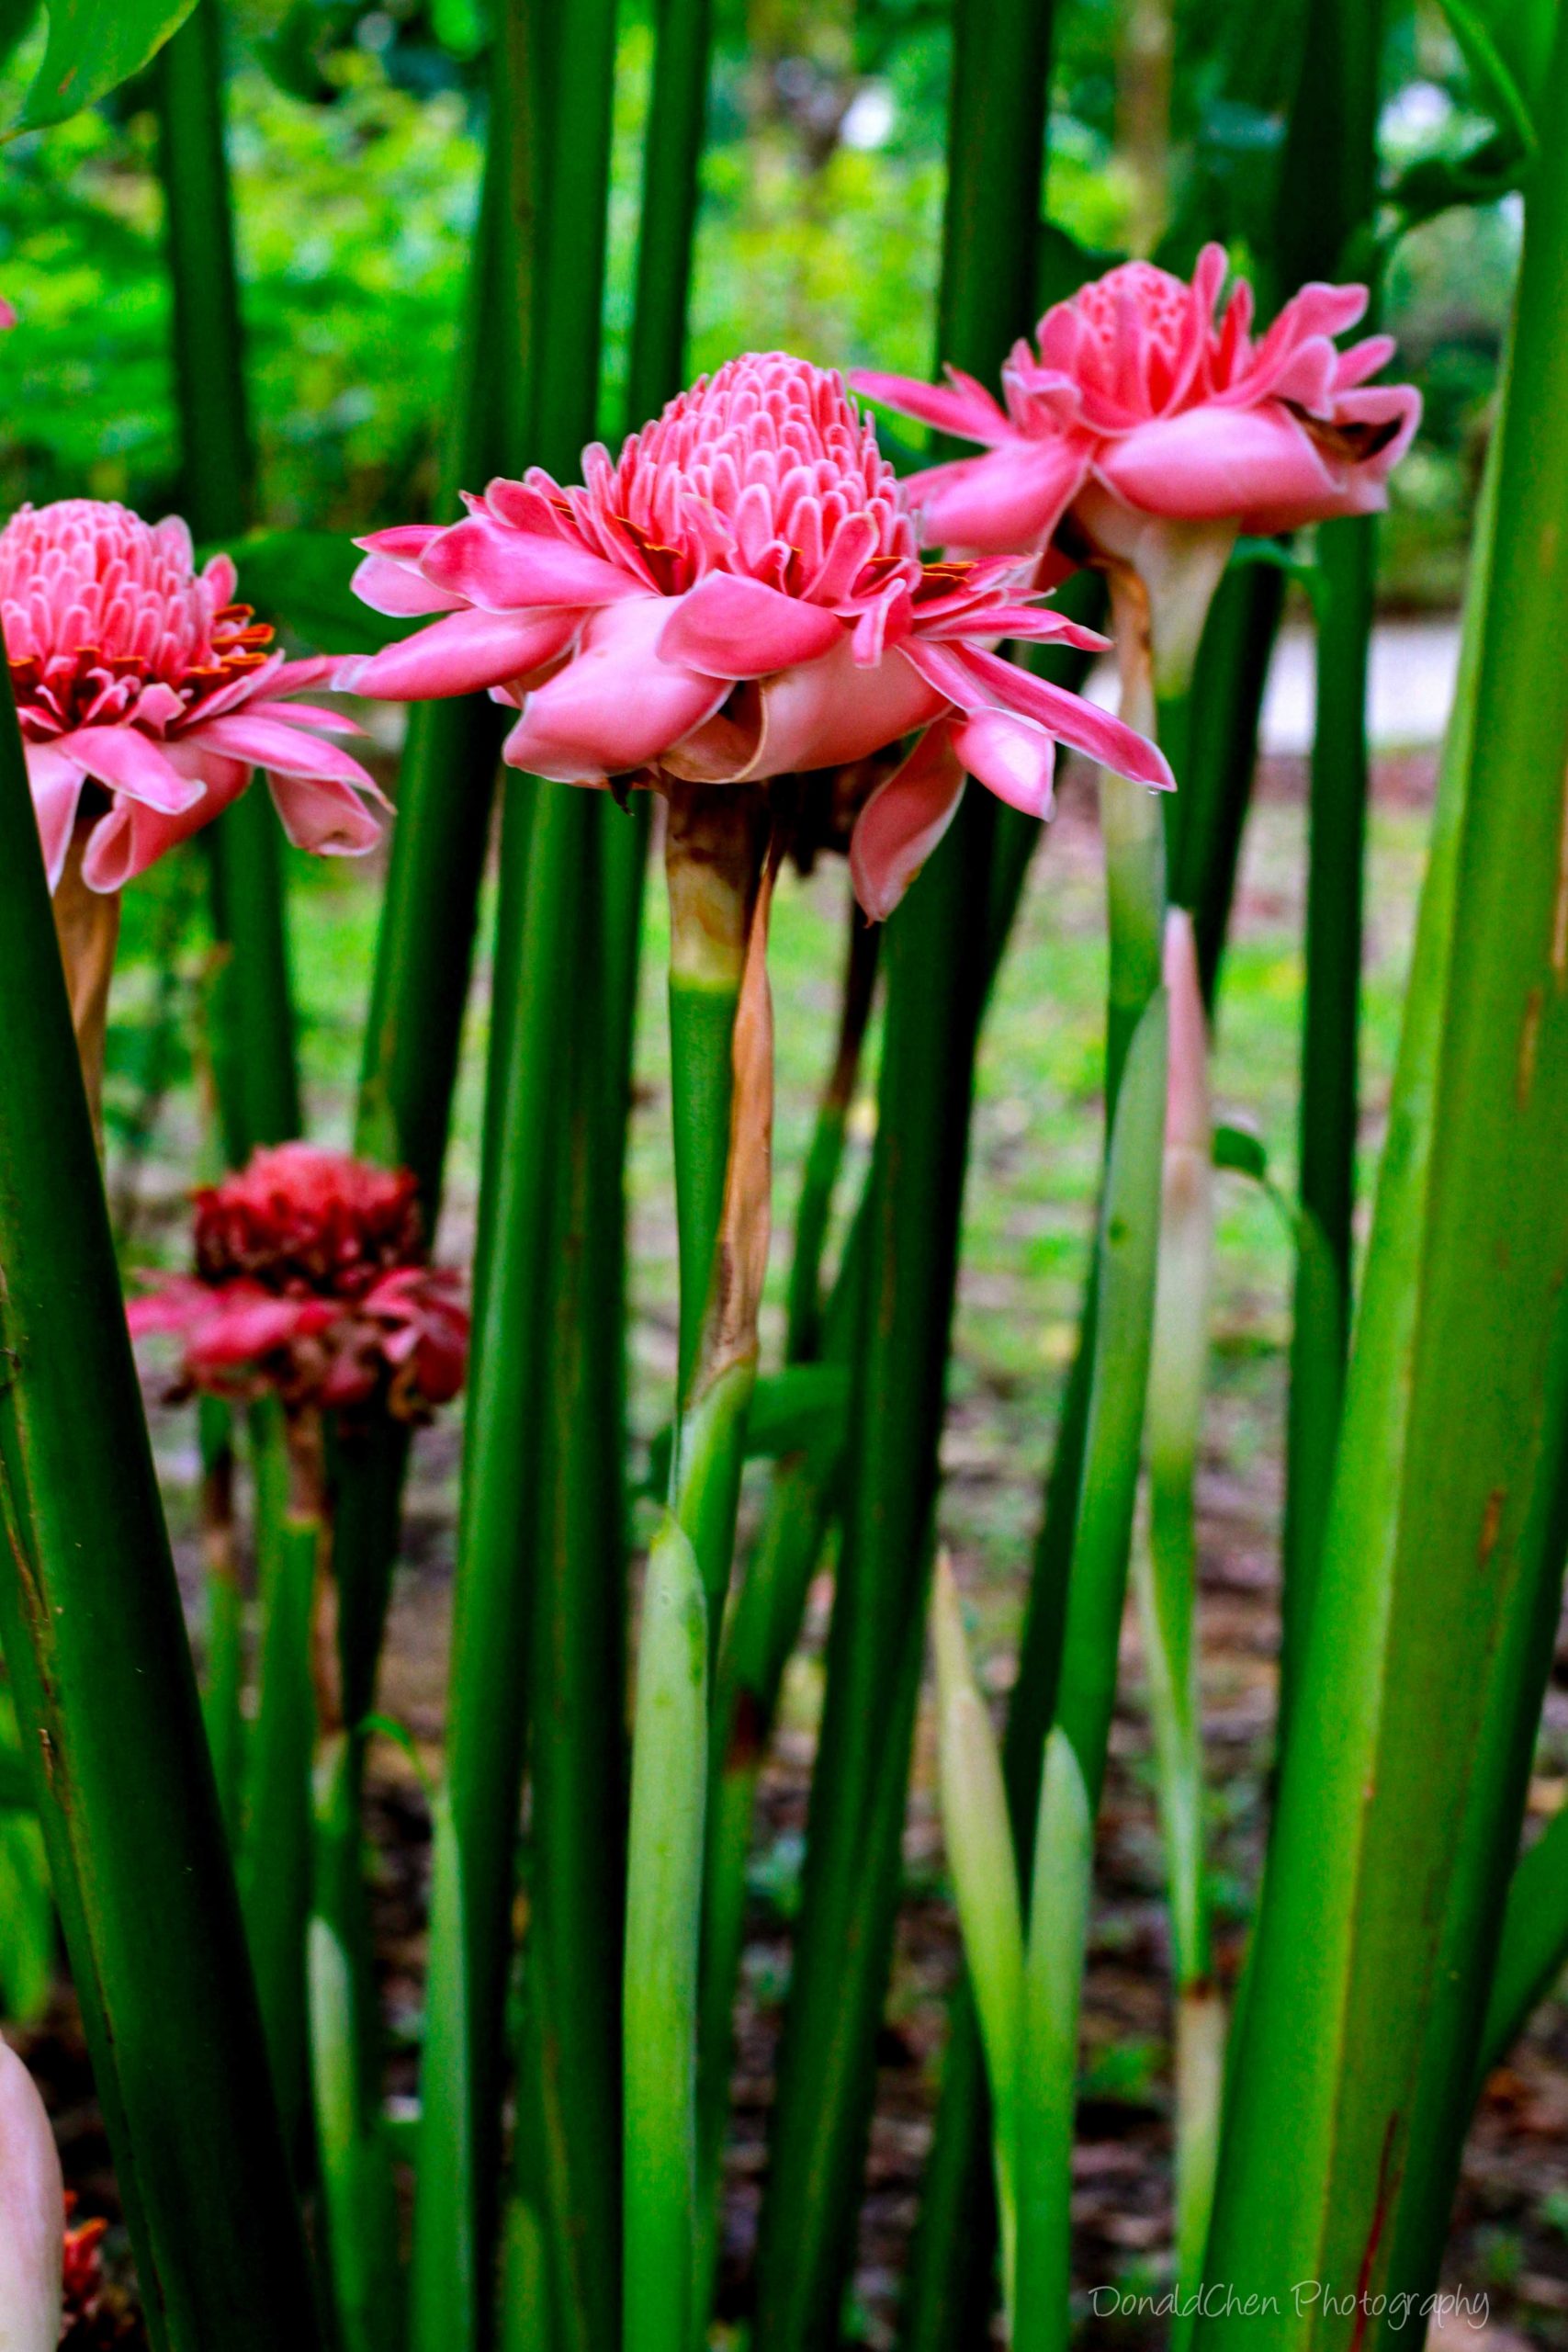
146 695
1144 422
740 596
1137 398
32 2215
311 1282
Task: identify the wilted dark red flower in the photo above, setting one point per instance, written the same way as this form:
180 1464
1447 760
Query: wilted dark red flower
312 1284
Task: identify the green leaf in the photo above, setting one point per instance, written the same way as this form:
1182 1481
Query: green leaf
1508 47
980 1857
1534 1949
1239 1150
93 46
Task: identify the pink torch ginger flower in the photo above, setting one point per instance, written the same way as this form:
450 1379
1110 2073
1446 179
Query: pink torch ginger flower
1138 404
147 695
311 1282
32 2215
740 596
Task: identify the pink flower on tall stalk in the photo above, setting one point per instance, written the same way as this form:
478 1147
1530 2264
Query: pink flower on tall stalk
1139 403
739 597
311 1282
147 695
32 2215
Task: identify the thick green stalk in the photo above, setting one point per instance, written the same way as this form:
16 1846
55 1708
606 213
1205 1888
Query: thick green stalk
937 971
1374 1927
672 160
663 1914
357 2186
493 1599
253 1020
223 1621
815 1206
1166 1579
577 1809
274 1853
95 1646
1227 701
1327 190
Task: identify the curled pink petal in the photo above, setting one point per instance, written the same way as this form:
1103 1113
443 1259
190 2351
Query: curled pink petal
728 626
503 571
903 821
399 589
619 706
129 762
465 653
961 406
1013 757
56 780
325 815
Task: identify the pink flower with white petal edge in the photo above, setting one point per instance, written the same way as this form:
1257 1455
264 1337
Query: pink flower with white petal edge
147 695
740 596
1137 402
312 1284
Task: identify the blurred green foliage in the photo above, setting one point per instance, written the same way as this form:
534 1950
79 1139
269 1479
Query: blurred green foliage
356 135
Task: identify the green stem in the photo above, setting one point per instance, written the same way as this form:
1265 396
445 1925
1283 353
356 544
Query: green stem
253 1031
803 1329
224 1625
677 109
275 1854
96 1646
577 1810
1330 1095
1533 1948
493 1599
357 2186
1048 2057
664 1913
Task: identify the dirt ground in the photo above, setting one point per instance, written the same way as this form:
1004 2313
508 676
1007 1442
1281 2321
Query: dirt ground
1509 2246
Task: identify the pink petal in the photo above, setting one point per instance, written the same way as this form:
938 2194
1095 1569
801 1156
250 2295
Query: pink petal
1013 757
818 715
267 743
32 2213
56 782
325 815
462 654
616 706
504 571
961 407
130 763
975 680
398 590
1213 462
903 821
133 837
731 627
1008 502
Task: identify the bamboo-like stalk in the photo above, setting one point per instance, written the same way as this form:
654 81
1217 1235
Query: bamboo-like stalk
1327 191
95 1646
275 1854
1436 1554
667 232
663 1915
253 1020
493 1600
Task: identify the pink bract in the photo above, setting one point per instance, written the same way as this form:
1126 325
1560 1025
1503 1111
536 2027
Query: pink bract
147 694
32 2214
1138 398
740 596
311 1282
